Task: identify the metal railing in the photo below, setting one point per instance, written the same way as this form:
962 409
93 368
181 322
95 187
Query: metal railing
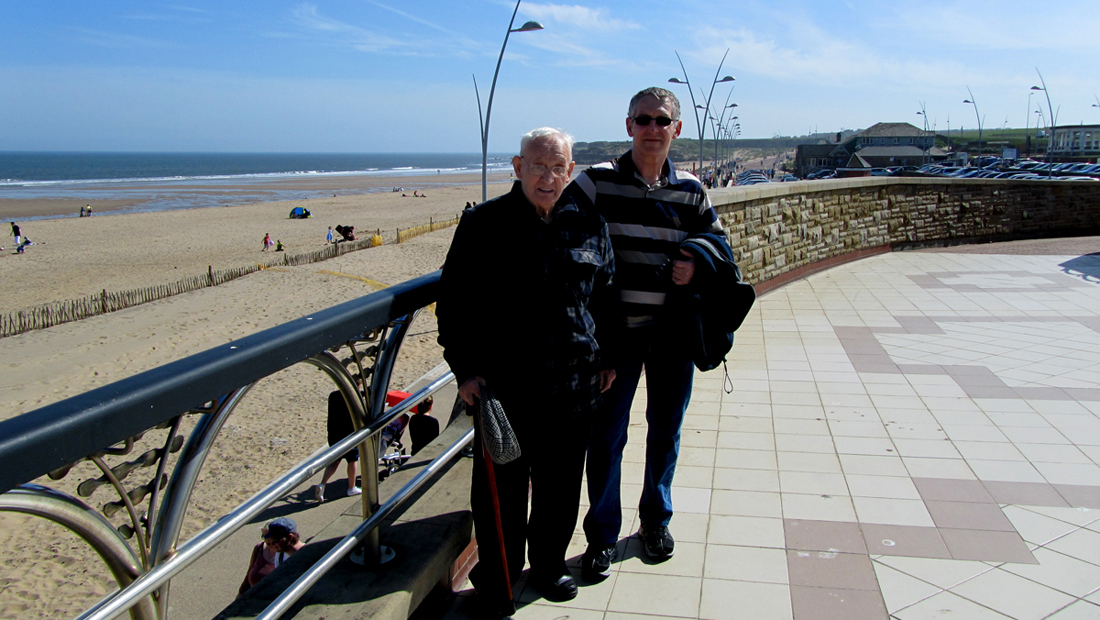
108 422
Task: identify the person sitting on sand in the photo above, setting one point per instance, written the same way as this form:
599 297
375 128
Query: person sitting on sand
23 246
278 245
267 242
280 541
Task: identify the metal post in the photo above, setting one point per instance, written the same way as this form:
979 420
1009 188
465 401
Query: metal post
1053 123
531 25
694 106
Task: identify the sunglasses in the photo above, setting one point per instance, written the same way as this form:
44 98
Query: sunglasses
643 120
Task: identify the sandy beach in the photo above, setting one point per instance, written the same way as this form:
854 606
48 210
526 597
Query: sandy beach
279 423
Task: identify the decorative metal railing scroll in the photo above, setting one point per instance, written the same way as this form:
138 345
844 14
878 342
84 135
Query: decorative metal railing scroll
106 425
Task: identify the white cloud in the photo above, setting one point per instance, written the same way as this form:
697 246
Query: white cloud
579 17
361 39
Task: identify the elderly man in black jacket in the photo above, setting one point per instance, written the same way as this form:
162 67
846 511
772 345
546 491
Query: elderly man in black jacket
520 311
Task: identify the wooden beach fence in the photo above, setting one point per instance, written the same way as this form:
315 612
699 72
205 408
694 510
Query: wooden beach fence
431 226
58 312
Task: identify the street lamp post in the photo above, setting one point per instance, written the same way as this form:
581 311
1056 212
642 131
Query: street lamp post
924 149
696 107
1053 124
717 123
527 27
975 104
728 129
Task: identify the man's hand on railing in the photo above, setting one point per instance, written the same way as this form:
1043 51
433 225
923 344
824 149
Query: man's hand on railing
470 390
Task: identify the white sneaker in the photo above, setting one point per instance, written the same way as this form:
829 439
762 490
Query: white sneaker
354 491
319 493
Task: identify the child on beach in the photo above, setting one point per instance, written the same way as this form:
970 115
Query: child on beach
328 237
280 541
267 242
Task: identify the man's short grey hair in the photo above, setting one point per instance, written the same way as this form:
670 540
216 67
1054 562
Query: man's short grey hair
546 132
661 94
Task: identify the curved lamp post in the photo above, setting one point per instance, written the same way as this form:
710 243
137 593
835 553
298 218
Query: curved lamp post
718 122
1053 124
924 150
696 107
728 130
975 104
527 27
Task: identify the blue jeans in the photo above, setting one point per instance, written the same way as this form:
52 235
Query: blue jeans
668 388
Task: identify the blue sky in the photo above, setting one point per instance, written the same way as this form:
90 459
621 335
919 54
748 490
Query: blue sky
388 76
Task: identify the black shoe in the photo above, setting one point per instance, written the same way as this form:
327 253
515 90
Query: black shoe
657 542
596 562
560 588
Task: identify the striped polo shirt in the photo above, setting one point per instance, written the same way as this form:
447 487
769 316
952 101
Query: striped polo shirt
647 225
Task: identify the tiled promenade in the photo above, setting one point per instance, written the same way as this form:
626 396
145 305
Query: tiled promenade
915 435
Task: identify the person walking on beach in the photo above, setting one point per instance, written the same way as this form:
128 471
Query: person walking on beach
328 237
15 233
542 364
267 242
650 208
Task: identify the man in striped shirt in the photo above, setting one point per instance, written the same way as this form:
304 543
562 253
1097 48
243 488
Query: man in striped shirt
650 208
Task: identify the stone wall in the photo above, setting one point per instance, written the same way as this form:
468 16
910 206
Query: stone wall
781 229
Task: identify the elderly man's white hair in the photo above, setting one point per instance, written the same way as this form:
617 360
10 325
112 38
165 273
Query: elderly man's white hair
545 132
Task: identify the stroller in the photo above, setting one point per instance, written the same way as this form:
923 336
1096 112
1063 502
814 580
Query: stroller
347 232
392 452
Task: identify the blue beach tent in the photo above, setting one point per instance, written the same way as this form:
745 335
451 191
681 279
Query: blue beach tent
300 213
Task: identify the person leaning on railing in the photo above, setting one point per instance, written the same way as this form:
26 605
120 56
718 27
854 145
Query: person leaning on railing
518 311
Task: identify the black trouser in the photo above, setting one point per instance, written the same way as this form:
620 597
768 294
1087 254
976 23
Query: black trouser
553 447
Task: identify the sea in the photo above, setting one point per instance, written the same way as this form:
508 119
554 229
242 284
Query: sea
162 181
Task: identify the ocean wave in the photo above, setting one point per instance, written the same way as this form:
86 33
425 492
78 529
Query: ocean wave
251 177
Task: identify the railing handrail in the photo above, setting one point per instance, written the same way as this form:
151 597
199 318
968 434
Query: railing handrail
40 441
282 604
121 600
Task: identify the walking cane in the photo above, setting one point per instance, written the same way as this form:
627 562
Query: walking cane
491 476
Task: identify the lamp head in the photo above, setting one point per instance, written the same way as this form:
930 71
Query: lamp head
1037 88
528 27
967 101
728 78
676 81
